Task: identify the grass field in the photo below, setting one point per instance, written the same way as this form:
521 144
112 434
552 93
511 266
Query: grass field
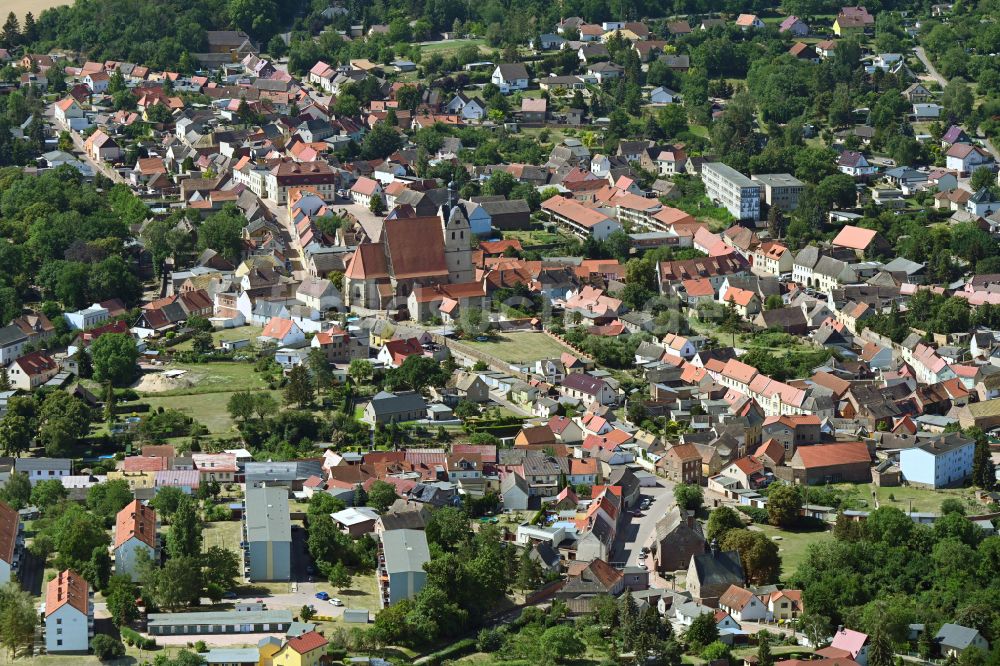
793 546
225 335
908 498
448 47
209 409
215 377
521 347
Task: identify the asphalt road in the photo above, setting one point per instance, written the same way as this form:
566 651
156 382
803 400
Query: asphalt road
640 530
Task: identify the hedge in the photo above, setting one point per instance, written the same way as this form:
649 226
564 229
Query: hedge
132 637
455 650
756 513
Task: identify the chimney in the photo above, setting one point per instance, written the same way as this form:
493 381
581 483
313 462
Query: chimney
690 519
714 547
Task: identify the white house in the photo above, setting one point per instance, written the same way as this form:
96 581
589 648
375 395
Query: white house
742 604
43 469
282 332
663 95
854 164
69 614
319 294
364 190
68 109
940 463
966 158
469 108
510 77
87 318
135 531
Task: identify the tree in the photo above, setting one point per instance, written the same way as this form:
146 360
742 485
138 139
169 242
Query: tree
241 406
306 613
783 505
221 567
299 390
17 618
758 554
383 140
360 370
702 632
120 595
381 495
177 583
720 521
15 433
106 648
983 469
338 575
17 491
688 496
981 178
880 650
957 99
223 232
529 572
815 627
114 356
167 500
319 368
764 656
107 499
46 494
560 643
184 537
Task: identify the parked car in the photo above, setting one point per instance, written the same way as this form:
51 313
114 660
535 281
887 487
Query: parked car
322 596
334 601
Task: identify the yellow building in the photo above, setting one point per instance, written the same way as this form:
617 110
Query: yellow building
852 21
305 650
136 480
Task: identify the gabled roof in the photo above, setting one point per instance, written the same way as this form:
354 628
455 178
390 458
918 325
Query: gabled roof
68 587
136 520
307 642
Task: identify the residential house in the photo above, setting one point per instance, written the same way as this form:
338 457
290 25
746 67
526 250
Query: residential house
832 463
267 530
742 604
939 463
11 542
965 158
404 553
855 164
677 538
794 26
510 77
954 639
852 22
307 649
69 614
43 469
32 370
588 388
135 532
854 643
385 407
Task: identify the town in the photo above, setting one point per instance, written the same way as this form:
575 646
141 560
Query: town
592 333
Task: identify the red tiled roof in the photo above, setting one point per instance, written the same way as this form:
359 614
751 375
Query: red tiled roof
854 238
307 642
68 587
829 455
137 520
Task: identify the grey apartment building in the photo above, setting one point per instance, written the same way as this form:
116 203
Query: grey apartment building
267 534
732 190
781 190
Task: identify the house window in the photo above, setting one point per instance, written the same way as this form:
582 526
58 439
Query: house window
59 642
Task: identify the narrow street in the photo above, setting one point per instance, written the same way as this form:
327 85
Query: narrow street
639 531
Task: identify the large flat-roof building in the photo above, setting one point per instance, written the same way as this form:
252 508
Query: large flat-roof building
781 190
219 622
404 553
732 190
267 532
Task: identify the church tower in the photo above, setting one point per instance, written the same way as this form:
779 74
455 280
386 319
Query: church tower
457 240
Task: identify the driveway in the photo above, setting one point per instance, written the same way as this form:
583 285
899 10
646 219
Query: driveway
639 531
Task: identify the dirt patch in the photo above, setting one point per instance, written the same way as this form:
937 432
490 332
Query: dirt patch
158 382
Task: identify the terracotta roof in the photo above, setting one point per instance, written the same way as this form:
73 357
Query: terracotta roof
9 521
735 597
855 238
36 363
277 328
144 464
749 465
307 642
137 520
538 435
829 455
68 587
415 247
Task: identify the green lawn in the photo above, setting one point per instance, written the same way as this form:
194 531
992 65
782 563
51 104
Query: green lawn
793 545
522 347
225 533
226 376
908 498
225 335
209 409
447 47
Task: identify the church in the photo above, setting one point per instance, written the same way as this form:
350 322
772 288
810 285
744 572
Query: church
418 264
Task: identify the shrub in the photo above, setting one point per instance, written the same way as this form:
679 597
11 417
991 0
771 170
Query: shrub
106 648
756 513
